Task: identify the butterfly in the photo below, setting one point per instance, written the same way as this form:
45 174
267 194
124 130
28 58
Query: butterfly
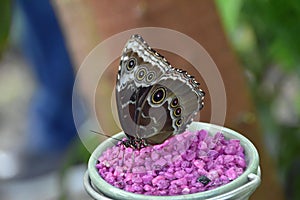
154 100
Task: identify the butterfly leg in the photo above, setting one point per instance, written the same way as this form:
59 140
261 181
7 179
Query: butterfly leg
132 161
122 163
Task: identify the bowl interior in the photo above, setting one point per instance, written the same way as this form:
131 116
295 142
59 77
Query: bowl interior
251 154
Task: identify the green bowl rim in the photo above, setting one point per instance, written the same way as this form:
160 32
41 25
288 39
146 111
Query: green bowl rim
115 192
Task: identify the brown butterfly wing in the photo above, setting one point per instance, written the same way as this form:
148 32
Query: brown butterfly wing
154 100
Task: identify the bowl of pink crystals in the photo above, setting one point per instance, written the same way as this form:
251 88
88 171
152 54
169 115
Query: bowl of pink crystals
204 162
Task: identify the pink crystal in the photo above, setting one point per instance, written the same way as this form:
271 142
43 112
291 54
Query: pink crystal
231 173
173 167
179 174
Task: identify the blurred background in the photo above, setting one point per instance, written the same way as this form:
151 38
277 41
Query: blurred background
255 45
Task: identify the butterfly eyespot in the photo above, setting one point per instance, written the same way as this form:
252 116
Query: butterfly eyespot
177 112
174 102
158 96
141 73
178 122
150 76
131 64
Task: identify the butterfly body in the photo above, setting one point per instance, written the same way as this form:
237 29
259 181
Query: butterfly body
134 143
154 100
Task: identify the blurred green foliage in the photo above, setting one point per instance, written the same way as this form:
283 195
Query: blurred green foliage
5 19
265 35
276 26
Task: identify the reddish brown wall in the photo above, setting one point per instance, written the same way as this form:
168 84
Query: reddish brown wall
197 19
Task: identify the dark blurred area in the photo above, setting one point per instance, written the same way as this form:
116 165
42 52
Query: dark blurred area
42 44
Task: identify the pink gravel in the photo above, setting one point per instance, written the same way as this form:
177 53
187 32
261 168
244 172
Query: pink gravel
186 163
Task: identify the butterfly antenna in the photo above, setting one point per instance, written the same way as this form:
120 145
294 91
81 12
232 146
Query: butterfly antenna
108 136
